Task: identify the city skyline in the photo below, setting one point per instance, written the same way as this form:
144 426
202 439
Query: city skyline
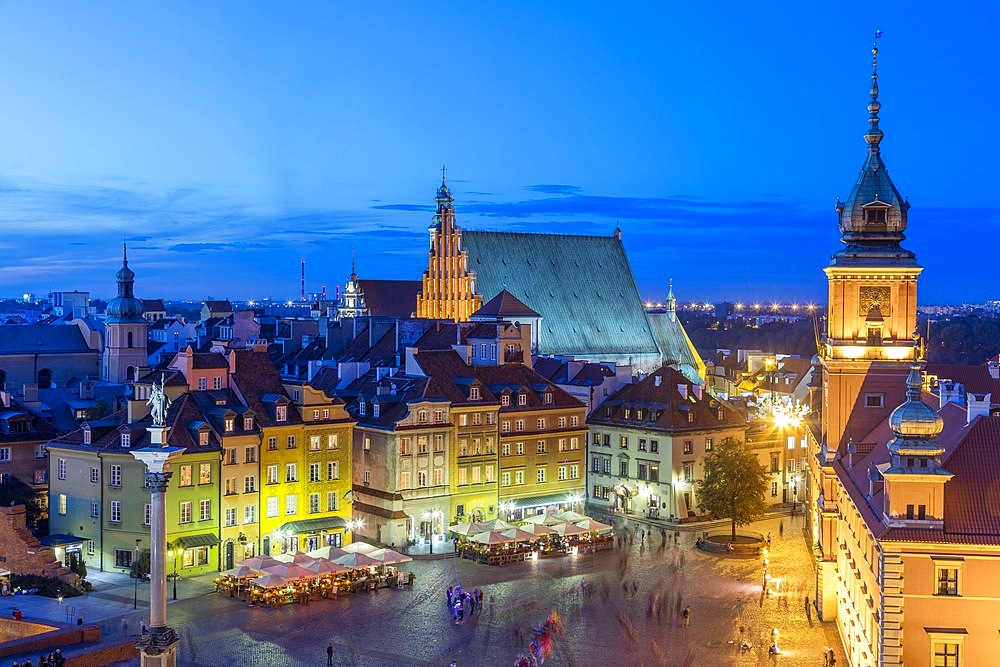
226 144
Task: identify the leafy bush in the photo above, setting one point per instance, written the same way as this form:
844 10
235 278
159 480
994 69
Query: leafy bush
50 587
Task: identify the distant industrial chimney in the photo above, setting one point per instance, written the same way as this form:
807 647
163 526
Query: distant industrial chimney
302 296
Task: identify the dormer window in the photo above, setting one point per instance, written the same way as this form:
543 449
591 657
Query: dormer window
522 399
690 417
203 438
422 416
230 424
505 400
547 398
474 393
281 413
86 436
248 423
126 440
720 414
362 410
375 410
876 215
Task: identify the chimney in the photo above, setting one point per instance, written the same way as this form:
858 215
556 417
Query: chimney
86 390
950 392
5 399
852 449
994 368
657 380
683 389
978 404
697 388
31 393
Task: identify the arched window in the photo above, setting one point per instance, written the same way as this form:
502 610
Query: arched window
44 378
129 339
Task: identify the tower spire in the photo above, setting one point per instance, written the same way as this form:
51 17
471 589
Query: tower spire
874 135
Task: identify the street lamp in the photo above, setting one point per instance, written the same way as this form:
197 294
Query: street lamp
135 595
176 553
795 492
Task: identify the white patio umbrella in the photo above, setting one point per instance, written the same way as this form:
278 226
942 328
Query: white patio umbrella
519 535
389 557
356 560
466 528
594 524
328 552
537 529
571 516
299 558
258 563
359 548
241 572
269 581
496 524
491 537
290 571
546 518
326 567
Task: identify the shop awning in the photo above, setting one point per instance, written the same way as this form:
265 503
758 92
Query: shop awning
314 525
539 501
61 540
199 540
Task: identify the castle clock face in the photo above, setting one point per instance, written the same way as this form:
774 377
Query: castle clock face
874 297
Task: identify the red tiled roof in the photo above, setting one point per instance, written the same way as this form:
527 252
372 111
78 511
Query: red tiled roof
390 298
203 360
972 497
506 306
977 379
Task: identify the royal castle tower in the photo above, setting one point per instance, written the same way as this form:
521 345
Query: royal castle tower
124 330
868 346
449 288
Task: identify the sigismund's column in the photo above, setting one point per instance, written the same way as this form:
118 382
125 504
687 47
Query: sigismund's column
158 645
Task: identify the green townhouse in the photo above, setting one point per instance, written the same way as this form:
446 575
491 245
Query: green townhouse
99 494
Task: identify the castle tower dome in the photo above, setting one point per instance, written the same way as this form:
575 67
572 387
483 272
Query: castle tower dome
874 216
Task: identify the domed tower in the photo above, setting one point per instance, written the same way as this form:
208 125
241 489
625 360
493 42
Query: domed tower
914 480
448 291
867 347
125 330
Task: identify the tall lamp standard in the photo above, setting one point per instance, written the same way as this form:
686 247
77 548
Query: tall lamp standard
137 572
176 553
795 492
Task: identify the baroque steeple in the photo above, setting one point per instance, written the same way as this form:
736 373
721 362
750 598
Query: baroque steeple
874 217
125 308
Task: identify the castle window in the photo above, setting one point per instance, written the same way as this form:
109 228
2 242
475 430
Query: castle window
874 400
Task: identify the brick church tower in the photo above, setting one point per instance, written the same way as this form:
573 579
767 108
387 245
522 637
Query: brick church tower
449 288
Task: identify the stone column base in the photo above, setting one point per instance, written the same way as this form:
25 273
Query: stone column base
158 648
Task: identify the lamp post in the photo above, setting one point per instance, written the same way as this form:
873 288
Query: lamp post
138 571
176 553
795 492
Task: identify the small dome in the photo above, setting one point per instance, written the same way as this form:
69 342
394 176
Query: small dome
915 419
124 309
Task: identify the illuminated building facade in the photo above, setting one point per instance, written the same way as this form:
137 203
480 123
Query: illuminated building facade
904 525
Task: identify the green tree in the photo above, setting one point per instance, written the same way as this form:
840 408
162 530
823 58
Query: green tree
15 492
734 483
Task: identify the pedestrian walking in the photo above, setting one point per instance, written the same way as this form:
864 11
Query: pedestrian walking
687 616
808 610
124 626
781 529
329 654
449 595
143 628
677 536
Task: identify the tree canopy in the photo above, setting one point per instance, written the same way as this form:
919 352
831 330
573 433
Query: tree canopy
734 483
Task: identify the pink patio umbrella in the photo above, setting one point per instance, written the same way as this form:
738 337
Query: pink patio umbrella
492 537
290 571
389 557
566 529
359 548
328 552
258 563
356 560
537 529
299 558
326 567
571 516
241 572
594 525
269 581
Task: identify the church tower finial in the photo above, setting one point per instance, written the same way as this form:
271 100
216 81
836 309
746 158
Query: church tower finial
874 135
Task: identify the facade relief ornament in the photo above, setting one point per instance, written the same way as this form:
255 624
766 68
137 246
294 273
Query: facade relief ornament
874 297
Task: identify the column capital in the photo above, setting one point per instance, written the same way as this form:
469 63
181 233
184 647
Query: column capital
156 482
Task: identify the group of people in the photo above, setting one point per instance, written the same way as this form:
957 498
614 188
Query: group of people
460 602
53 659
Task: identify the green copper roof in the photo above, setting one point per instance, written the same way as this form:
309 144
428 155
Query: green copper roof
581 285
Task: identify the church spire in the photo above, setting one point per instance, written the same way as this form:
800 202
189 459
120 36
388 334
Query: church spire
874 135
671 301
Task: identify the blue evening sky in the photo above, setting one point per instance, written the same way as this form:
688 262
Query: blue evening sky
226 141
